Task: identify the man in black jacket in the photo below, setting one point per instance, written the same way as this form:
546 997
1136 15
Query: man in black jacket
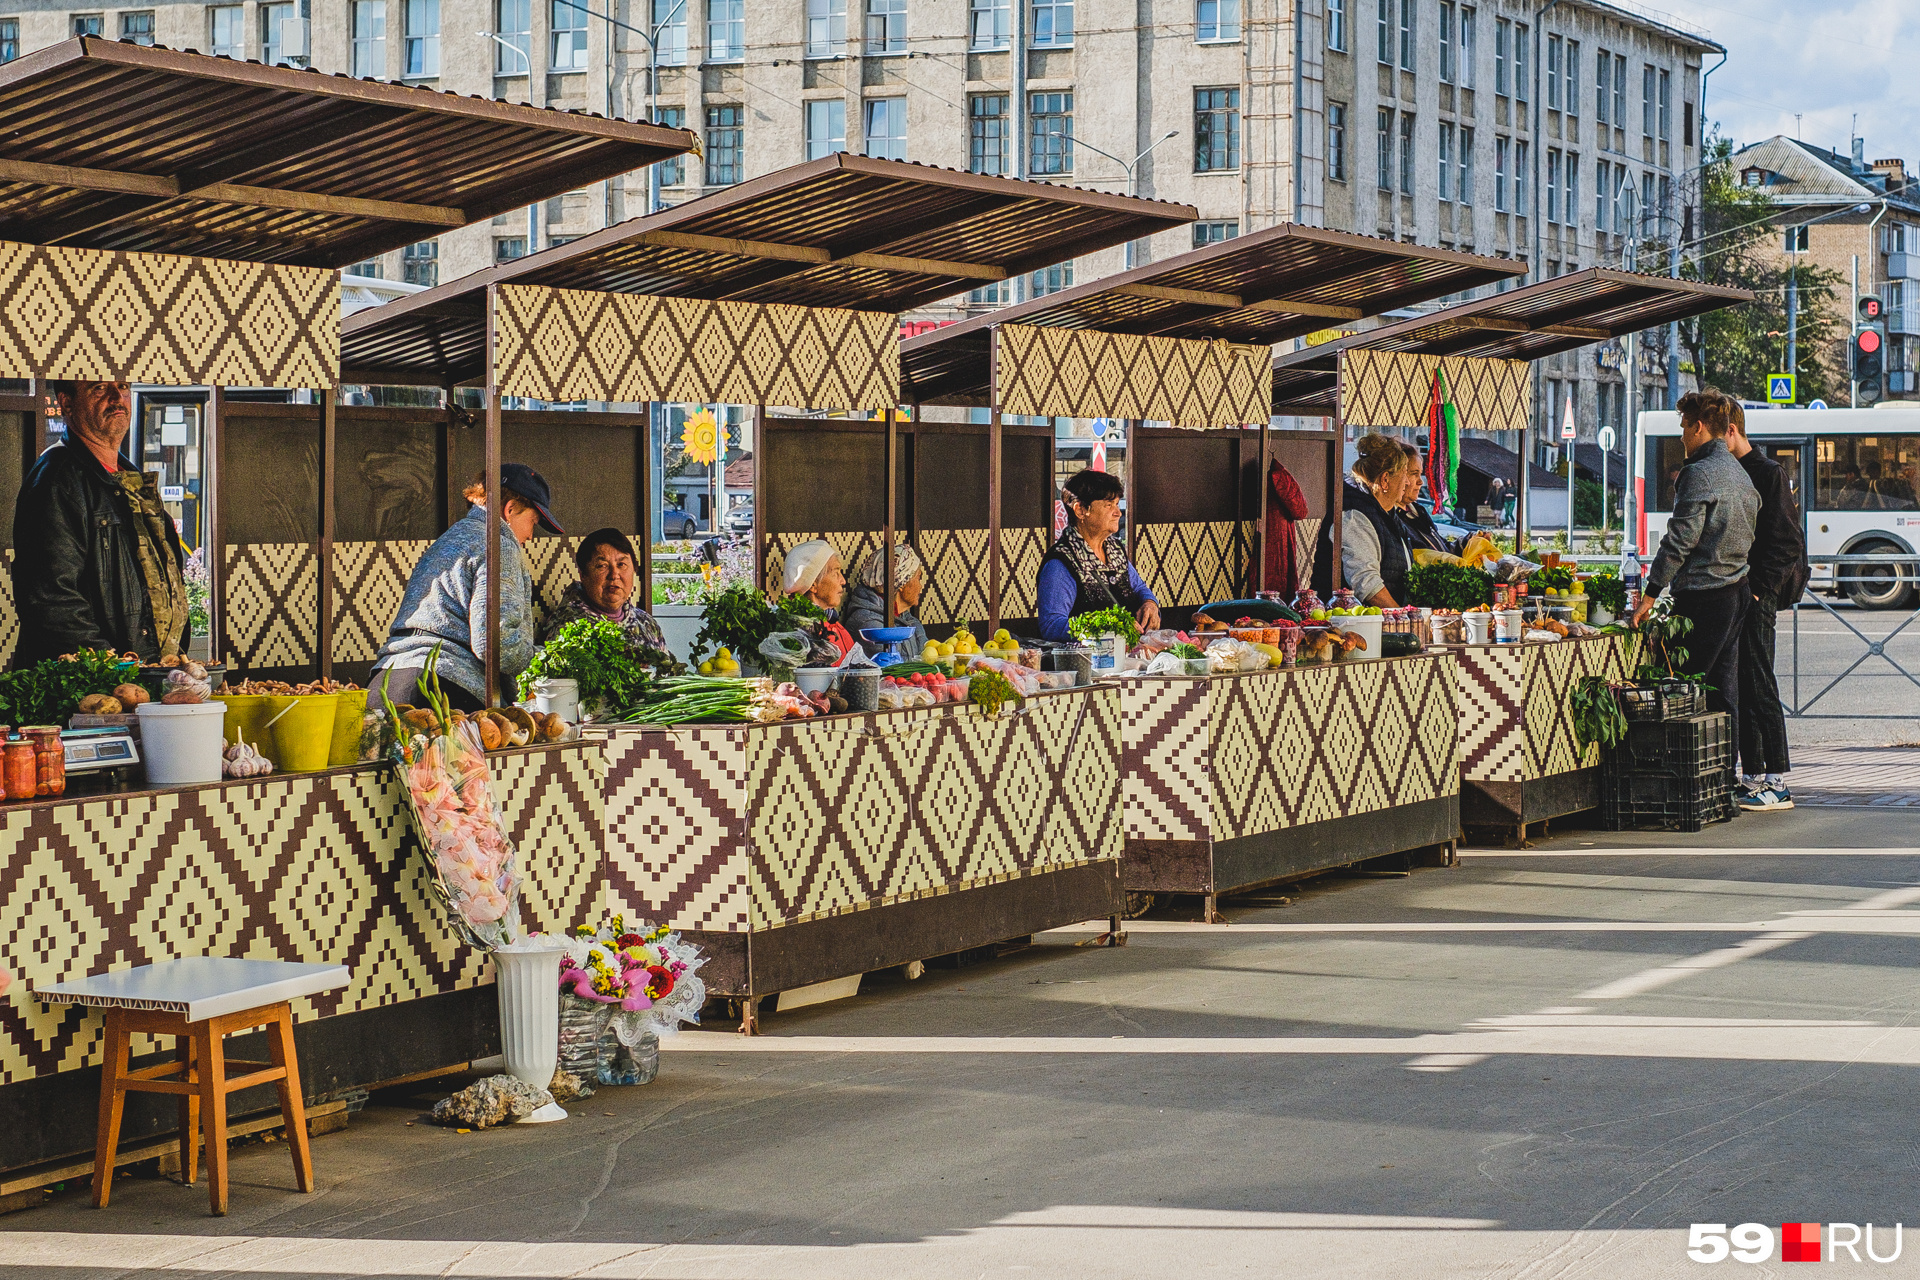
1777 572
97 561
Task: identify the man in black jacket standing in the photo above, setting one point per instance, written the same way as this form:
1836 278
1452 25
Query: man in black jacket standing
1777 572
97 560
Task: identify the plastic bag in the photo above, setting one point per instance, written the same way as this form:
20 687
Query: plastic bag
1513 569
1166 664
1152 642
1225 657
787 648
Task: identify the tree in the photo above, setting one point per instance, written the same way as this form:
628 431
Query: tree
1735 348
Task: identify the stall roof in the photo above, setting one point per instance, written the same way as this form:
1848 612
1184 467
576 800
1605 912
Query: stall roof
1259 289
1554 315
842 231
111 145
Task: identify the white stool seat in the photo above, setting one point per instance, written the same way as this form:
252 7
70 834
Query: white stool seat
199 987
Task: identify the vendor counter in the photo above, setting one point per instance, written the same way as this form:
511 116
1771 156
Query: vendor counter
1519 759
808 850
1239 780
314 867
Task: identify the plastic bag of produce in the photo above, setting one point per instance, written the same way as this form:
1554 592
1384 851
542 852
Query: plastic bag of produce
1166 664
1225 657
1513 569
787 648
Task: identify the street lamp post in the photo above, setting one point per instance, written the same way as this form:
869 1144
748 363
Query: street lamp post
652 37
533 210
1127 166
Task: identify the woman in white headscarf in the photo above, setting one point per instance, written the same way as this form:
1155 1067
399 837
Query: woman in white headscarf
866 608
813 569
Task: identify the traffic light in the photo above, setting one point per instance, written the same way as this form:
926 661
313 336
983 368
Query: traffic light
1871 309
1869 351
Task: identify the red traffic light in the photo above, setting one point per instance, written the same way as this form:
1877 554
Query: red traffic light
1867 340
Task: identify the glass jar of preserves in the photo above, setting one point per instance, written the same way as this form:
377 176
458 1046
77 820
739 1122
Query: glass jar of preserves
50 759
21 769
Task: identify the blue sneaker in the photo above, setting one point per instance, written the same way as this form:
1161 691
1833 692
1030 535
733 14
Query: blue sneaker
1766 799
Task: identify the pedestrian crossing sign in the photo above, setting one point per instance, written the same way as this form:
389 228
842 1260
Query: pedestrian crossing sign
1780 388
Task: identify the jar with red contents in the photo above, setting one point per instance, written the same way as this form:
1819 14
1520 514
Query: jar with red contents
50 759
21 769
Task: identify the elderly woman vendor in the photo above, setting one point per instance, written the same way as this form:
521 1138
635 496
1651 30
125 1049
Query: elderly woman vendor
1087 568
866 609
813 569
605 590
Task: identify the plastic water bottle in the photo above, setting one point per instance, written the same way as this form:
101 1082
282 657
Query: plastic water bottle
1630 575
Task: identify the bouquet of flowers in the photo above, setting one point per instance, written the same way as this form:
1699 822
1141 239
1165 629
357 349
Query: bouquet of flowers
445 771
648 973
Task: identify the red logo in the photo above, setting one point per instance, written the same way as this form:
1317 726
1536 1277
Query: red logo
1800 1242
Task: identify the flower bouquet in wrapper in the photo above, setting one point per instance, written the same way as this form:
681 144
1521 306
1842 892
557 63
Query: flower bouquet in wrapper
475 874
649 974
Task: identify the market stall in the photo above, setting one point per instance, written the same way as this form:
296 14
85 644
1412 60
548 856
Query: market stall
200 242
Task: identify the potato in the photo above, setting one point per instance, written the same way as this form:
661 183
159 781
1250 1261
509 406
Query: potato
132 695
99 704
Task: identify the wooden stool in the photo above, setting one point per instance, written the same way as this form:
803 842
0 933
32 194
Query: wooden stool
199 1002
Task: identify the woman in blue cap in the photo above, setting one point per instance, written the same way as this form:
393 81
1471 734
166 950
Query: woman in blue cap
446 599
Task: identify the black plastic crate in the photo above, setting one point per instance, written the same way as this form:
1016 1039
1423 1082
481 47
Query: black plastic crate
1662 700
1629 800
1675 748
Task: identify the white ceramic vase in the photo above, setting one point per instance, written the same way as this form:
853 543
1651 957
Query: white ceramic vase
528 981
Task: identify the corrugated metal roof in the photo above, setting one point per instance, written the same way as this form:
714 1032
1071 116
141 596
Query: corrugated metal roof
1258 289
1541 319
111 145
842 231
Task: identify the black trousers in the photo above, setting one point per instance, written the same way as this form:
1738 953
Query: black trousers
1713 646
1763 721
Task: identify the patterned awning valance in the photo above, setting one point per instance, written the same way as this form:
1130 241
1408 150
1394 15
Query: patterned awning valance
1082 373
158 318
567 344
1390 389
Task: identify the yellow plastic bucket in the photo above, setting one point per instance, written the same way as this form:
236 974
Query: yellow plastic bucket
346 727
247 717
303 736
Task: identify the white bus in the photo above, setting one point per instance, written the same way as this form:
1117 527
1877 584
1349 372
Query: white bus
1855 473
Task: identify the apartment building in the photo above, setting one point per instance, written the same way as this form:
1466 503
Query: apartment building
1842 211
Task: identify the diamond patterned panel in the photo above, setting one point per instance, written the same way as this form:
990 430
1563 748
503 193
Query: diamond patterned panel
566 344
369 580
1188 565
271 614
9 615
1165 757
1067 373
160 318
1390 389
318 867
676 826
1515 720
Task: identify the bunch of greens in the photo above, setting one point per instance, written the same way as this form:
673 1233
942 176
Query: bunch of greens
49 692
740 617
1606 590
1662 654
1114 621
1559 577
1596 713
1188 651
1449 586
595 653
989 690
706 699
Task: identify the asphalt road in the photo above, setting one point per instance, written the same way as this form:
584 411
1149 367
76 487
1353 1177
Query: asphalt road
1538 1064
1873 704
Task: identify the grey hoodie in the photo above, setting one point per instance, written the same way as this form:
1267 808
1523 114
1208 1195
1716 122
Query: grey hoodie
1715 509
863 608
446 604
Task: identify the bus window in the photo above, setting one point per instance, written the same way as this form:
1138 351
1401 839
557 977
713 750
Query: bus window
1866 473
1665 456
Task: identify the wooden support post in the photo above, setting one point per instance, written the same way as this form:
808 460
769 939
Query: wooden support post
995 444
213 551
1336 495
1260 533
329 398
643 505
759 488
495 508
443 481
888 531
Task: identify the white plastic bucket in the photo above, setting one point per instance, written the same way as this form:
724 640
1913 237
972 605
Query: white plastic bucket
1507 626
181 742
1368 627
557 696
1477 625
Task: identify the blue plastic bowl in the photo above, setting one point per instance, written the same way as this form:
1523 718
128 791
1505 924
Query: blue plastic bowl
887 635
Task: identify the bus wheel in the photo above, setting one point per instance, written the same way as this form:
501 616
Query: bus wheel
1877 586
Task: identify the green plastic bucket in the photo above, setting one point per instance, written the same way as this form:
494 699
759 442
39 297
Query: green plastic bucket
303 730
346 727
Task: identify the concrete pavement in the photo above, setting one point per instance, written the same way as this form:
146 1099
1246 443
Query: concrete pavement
1543 1064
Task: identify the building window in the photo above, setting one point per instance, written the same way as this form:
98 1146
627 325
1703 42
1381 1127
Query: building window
420 263
887 128
1384 145
1649 100
1520 158
1666 196
283 34
1465 168
1446 43
1052 23
1206 233
1337 25
1620 91
1445 152
1406 35
992 24
137 27
227 33
1053 279
1521 85
1602 73
9 39
507 248
988 141
1601 171
1467 47
723 144
423 38
1502 57
1553 73
1406 153
371 269
569 40
1050 146
1384 32
1501 148
997 294
512 23
1337 141
886 26
1666 106
1646 198
673 172
1218 20
1553 185
826 28
727 33
670 32
88 24
1573 189
1216 130
826 127
1573 77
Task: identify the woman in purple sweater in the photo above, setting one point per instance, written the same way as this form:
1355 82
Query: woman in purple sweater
1086 570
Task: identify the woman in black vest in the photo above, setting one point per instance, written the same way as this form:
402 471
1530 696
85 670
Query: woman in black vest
1373 543
1086 569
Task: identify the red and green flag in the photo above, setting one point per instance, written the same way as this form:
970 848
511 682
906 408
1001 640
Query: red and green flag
1443 444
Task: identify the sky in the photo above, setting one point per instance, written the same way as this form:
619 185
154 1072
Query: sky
1827 60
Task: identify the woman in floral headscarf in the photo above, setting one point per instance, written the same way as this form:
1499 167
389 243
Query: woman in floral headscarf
607 575
1087 568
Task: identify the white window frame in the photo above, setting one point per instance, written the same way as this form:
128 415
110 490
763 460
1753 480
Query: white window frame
989 24
1553 72
422 61
1383 143
1572 86
1336 142
1522 53
1666 105
1649 100
1444 153
726 32
1553 185
1446 42
1520 157
1337 25
566 45
826 35
1408 126
670 32
1469 45
1216 21
886 29
1409 30
1463 170
234 18
1573 189
891 115
1502 160
1502 56
1059 15
513 24
826 126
